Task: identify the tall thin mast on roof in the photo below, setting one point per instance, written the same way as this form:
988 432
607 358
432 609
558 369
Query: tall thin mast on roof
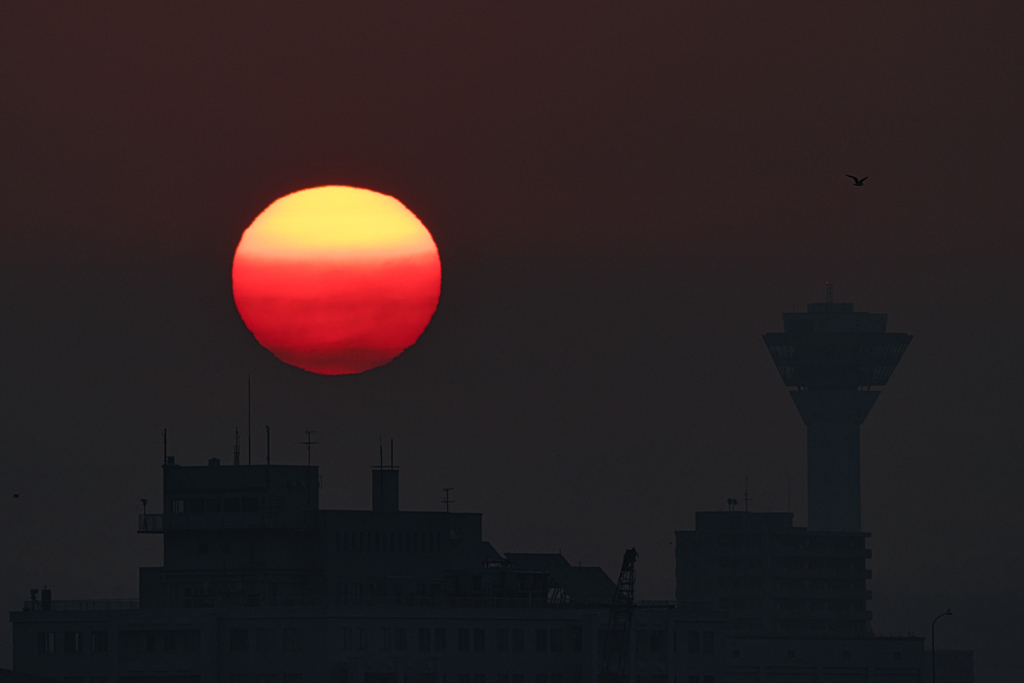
309 443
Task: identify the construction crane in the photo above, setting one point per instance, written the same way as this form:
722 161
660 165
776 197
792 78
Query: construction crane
615 648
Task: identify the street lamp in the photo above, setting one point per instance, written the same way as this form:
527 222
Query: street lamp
947 613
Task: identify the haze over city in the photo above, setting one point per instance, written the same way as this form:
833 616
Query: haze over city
623 200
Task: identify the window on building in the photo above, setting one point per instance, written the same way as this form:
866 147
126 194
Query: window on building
464 678
735 654
479 678
73 641
479 640
178 506
846 654
190 641
709 679
541 678
464 640
97 679
47 642
693 642
345 639
291 678
214 505
556 678
204 548
249 504
502 678
231 505
440 640
195 506
264 640
424 640
401 639
709 643
170 639
693 679
150 639
556 640
263 678
502 642
791 654
897 655
74 679
518 640
238 678
542 640
99 641
385 639
518 678
238 639
362 639
292 640
577 639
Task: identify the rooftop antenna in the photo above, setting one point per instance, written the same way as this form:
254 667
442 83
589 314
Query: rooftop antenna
746 494
789 494
392 454
249 438
447 500
237 439
165 445
828 293
309 443
268 444
380 443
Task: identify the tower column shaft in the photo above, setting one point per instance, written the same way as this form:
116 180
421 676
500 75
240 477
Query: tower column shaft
833 476
833 419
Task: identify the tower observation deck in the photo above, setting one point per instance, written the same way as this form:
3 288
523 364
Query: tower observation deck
833 358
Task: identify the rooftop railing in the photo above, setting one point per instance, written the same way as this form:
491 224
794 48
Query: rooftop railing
80 605
159 523
407 601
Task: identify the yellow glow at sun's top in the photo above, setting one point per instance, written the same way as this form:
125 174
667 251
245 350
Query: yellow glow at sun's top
335 221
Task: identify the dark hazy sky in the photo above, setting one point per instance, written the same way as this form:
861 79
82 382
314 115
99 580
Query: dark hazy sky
624 196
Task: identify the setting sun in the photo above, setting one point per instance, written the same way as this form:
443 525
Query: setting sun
336 280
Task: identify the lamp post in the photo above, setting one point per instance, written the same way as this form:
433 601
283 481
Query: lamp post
947 613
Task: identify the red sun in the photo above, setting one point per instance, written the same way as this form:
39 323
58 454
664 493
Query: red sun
336 280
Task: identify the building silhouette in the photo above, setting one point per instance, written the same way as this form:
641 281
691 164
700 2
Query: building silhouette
833 357
765 576
259 585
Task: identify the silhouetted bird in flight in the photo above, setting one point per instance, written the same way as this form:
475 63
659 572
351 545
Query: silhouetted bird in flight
857 181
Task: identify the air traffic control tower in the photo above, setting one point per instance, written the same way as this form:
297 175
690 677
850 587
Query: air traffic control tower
833 358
